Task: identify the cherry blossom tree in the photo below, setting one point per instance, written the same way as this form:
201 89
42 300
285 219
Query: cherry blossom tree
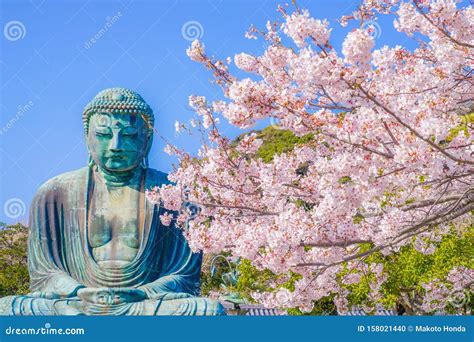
390 160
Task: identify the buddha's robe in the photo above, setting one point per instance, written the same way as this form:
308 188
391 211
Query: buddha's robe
60 259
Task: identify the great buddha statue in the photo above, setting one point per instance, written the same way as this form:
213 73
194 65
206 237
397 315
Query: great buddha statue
96 243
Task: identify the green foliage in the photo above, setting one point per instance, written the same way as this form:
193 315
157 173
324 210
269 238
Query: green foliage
253 280
322 307
344 180
14 279
276 141
210 283
408 269
214 282
467 119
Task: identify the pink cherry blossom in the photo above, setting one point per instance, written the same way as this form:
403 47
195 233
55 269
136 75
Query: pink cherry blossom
357 47
300 26
166 219
390 161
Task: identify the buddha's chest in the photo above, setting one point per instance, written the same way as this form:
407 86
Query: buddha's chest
113 229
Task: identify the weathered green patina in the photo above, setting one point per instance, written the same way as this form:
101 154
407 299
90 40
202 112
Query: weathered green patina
96 244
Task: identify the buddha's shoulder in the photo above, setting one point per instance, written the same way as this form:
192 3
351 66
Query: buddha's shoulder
70 180
65 181
157 177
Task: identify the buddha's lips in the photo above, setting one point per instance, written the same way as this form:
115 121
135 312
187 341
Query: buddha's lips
117 156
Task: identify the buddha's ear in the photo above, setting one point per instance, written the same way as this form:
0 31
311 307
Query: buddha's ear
86 138
148 144
87 146
90 160
147 151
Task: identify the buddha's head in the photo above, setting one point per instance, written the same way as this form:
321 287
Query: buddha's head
118 125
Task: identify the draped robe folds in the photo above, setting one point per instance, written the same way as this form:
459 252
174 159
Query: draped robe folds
60 259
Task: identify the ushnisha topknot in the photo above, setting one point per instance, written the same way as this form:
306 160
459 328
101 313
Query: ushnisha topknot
118 101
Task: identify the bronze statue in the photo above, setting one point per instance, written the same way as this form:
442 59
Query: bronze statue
96 244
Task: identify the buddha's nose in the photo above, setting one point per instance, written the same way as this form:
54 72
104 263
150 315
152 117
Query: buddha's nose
116 143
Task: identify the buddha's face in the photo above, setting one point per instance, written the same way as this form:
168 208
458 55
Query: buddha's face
117 142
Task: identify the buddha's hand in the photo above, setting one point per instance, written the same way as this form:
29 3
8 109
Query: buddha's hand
171 295
165 288
111 295
55 295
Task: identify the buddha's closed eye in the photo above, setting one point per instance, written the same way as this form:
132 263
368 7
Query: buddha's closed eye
103 133
130 132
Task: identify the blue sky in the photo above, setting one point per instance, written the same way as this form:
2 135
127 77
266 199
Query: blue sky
52 69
